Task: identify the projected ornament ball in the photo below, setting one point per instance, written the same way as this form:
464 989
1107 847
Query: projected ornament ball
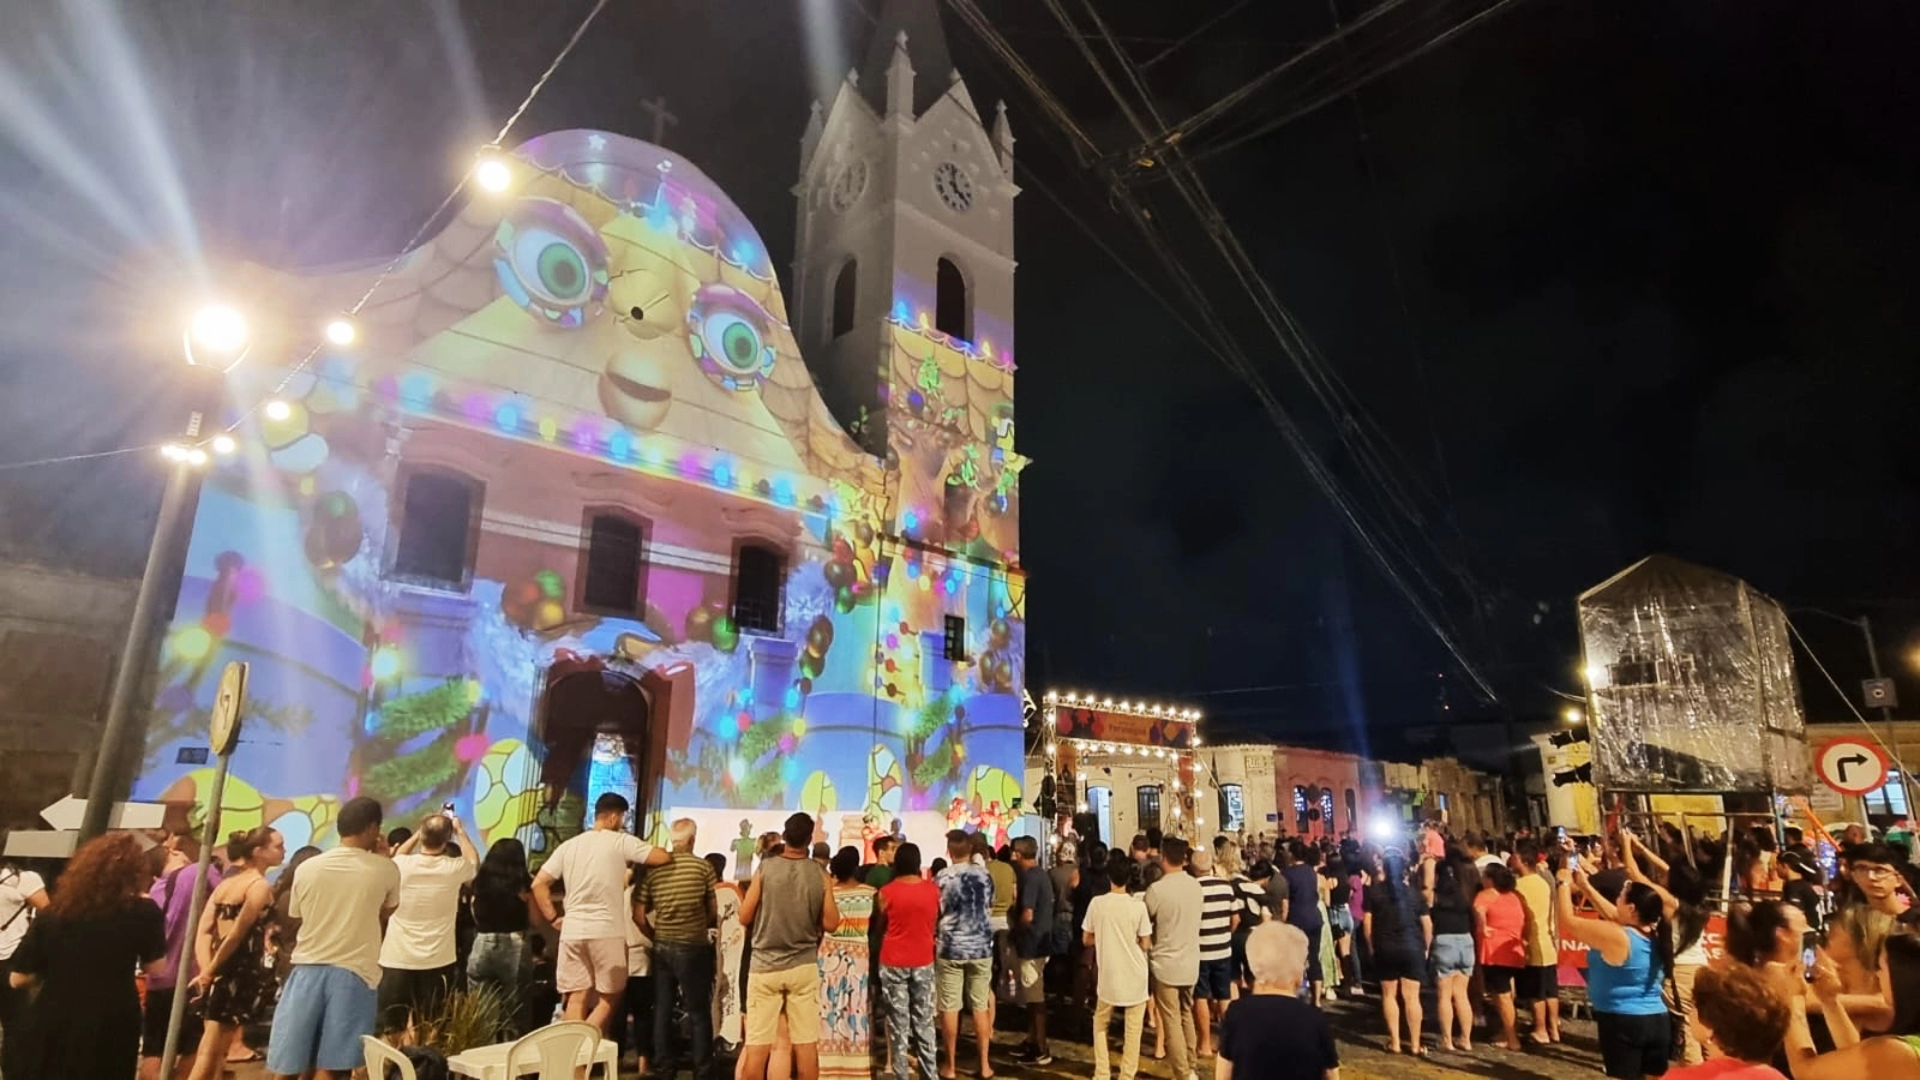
334 532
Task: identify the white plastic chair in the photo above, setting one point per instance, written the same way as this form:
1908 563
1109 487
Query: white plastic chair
555 1050
380 1055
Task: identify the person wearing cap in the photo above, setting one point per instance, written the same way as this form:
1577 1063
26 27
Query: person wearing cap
1802 878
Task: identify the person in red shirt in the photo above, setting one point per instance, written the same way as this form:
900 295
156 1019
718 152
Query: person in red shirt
909 907
1741 1017
1501 918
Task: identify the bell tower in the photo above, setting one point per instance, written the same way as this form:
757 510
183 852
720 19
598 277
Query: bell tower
905 214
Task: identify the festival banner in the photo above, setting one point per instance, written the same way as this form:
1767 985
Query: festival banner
1101 725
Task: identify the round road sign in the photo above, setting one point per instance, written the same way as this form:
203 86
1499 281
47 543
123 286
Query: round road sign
1851 766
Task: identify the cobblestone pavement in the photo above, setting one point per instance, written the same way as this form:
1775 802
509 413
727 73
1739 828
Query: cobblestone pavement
1363 1054
1357 1025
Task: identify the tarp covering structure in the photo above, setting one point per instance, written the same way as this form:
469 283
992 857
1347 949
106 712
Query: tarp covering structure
1690 684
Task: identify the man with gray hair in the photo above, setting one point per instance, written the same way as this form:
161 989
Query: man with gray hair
1219 918
1272 1024
675 906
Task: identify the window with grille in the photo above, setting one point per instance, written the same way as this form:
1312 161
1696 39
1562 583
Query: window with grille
954 642
758 576
1326 810
1233 808
438 529
1149 805
1353 812
611 581
1300 808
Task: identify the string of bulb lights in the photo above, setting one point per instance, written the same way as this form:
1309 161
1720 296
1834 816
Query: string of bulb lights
218 334
1122 705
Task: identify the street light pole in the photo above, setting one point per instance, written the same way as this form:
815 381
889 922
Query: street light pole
158 582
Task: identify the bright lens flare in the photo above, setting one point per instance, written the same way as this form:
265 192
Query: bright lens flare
492 174
219 329
341 331
223 444
278 410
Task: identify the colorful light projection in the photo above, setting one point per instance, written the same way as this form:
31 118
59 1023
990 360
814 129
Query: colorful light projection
607 336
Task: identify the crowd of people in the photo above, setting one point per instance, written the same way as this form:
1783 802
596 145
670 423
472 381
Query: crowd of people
1816 976
814 963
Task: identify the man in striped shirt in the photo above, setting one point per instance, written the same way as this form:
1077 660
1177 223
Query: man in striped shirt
675 905
1219 916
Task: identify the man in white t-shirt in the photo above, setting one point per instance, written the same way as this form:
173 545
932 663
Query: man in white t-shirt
342 897
1477 851
1176 903
592 970
1119 931
419 961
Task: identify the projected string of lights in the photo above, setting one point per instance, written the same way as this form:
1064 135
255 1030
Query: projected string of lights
489 171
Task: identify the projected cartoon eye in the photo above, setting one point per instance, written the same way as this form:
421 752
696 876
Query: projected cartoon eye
729 335
551 262
734 341
555 266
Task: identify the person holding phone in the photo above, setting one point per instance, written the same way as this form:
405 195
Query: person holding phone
420 959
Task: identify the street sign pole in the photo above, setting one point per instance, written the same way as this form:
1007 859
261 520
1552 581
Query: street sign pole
1886 717
225 731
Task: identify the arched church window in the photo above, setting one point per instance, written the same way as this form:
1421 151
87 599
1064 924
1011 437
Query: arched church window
952 308
845 297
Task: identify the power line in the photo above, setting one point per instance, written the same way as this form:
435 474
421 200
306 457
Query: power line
434 218
37 462
1348 86
1360 523
1191 34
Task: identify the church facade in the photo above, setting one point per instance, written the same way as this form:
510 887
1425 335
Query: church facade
591 505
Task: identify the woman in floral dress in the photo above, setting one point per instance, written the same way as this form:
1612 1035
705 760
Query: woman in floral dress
846 1023
236 985
728 1023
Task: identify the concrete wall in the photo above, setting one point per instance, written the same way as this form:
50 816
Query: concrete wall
60 636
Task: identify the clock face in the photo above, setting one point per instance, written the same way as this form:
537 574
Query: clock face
955 187
849 184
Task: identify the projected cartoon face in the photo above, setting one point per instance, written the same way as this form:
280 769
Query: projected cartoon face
551 262
623 283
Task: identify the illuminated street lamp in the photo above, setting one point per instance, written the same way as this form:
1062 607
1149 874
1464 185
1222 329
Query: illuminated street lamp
215 340
1573 716
493 174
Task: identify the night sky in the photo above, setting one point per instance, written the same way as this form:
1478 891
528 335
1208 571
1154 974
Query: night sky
1610 278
